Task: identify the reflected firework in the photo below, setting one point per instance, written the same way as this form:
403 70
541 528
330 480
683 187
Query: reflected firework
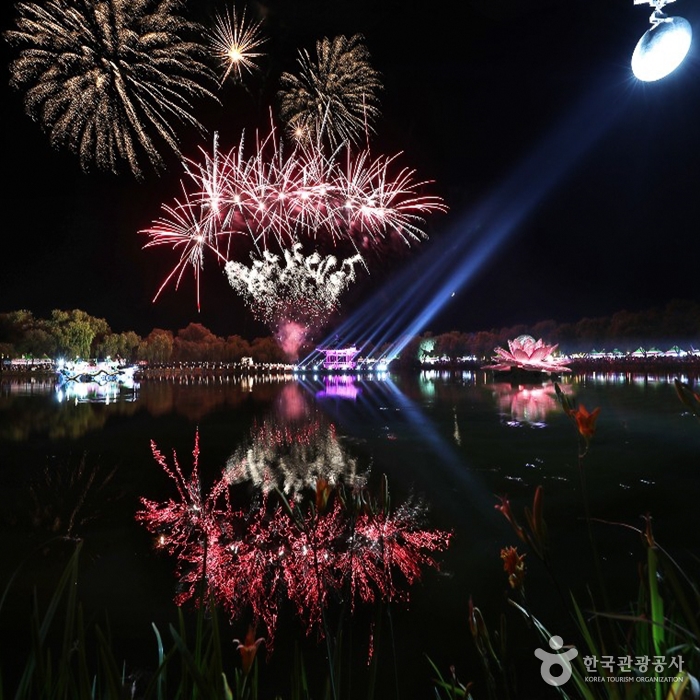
104 78
253 559
333 97
234 41
292 460
293 449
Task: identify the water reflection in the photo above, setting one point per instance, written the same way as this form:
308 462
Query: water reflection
343 544
26 387
96 392
72 409
527 405
24 416
636 378
340 386
446 441
293 447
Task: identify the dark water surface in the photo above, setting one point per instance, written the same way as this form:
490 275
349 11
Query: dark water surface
79 465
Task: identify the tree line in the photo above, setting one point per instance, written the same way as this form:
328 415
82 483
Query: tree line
75 333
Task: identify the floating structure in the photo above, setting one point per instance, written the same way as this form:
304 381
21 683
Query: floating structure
91 371
528 357
339 359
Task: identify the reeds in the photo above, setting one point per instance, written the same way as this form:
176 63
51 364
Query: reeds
648 649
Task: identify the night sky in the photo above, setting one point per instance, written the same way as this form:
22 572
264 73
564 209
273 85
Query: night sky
528 109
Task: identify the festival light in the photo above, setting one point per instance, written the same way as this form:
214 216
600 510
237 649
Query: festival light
401 309
663 47
530 355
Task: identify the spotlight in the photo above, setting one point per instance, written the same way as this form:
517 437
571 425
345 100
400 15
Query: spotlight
663 47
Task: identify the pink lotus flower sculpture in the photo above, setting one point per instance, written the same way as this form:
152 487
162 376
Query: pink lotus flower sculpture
526 353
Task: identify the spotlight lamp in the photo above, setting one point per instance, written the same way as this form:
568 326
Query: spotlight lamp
663 47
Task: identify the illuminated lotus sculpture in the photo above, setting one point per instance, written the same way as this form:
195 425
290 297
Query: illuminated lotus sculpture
528 355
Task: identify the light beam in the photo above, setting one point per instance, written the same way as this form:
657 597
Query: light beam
401 309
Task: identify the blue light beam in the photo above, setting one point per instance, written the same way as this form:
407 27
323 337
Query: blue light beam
409 300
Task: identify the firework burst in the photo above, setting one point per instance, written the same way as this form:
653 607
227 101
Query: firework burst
296 289
234 41
183 229
289 201
278 199
333 97
108 79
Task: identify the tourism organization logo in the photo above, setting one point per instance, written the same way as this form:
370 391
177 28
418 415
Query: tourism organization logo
556 668
550 660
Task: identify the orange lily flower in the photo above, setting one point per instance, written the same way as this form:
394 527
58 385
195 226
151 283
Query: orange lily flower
514 566
504 507
323 492
537 536
248 649
585 421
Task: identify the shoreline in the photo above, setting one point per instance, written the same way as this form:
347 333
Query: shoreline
181 370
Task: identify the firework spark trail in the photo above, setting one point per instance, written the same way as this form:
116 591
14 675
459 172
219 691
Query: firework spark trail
251 562
234 40
184 228
305 194
104 78
333 97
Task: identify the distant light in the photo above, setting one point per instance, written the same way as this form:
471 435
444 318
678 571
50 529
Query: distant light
662 49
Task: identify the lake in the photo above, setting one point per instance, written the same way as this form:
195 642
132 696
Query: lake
78 465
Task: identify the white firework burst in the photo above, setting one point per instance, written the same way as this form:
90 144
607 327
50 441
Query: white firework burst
235 40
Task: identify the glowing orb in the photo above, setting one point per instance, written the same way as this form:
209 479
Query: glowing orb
662 49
